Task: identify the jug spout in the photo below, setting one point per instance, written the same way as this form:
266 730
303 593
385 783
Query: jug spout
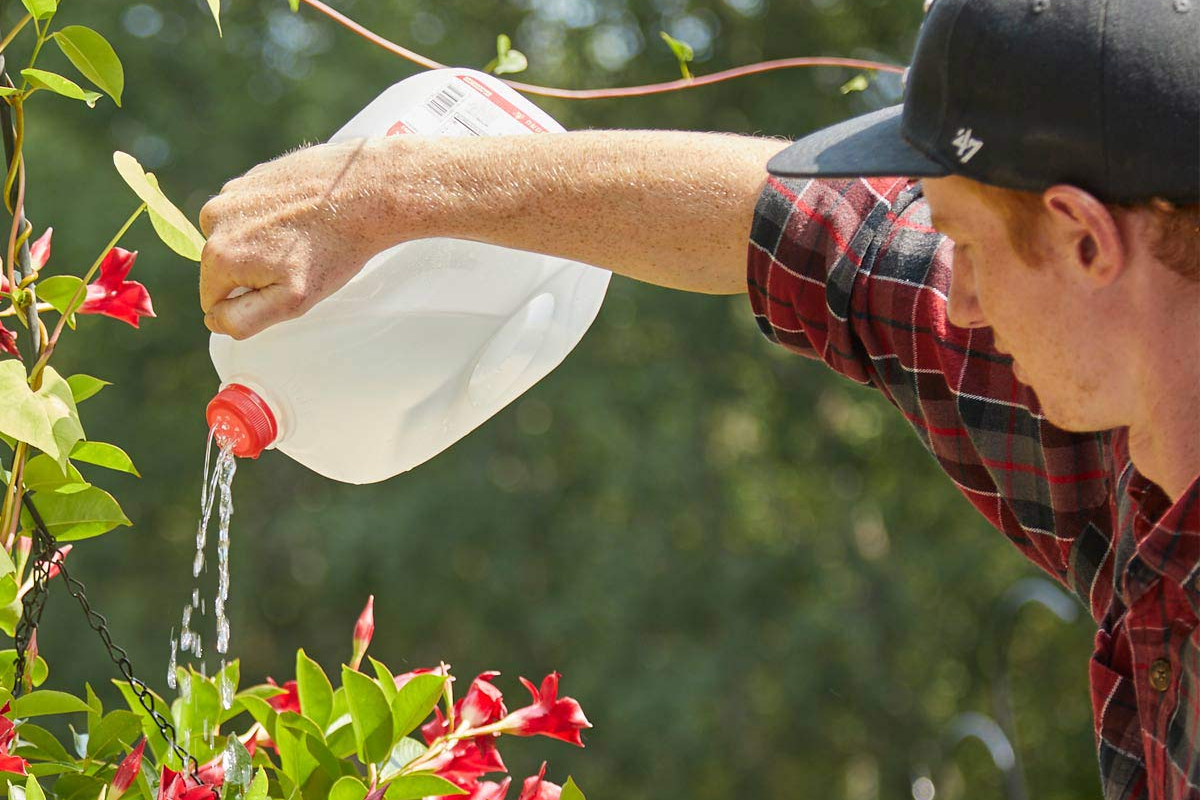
241 420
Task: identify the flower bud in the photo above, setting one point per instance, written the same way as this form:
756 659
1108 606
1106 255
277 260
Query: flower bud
364 629
127 772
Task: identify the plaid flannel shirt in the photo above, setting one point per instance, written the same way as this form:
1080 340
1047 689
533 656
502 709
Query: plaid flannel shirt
852 273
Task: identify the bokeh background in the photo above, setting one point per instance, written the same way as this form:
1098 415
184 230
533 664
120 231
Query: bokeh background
748 570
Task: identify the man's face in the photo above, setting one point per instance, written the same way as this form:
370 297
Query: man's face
1040 313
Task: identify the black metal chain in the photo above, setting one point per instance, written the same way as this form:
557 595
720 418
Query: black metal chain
43 553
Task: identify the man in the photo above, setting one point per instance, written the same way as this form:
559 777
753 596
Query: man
1047 352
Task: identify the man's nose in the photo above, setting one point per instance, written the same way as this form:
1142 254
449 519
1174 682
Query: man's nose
962 307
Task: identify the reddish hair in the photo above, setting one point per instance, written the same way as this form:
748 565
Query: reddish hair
1176 228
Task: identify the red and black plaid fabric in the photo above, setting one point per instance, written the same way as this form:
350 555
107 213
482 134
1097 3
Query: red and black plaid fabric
852 273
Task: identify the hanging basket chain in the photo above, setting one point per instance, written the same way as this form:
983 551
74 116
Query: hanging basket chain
45 547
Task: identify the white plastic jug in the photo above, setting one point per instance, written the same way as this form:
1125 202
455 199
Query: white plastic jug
428 341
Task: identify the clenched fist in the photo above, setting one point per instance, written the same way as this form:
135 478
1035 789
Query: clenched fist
292 231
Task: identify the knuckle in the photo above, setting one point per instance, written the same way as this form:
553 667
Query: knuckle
209 216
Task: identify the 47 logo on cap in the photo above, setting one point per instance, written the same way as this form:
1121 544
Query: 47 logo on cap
966 145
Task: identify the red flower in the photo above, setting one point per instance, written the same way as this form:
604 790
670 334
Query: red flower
128 771
56 560
484 790
364 629
289 700
483 705
469 760
175 786
538 788
8 732
112 295
39 251
8 341
547 715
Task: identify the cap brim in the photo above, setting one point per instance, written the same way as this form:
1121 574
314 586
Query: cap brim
866 146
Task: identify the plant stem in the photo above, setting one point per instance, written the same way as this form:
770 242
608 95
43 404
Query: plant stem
13 33
36 373
37 48
626 91
11 260
10 493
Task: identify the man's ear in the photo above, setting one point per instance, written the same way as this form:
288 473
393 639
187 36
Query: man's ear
1083 228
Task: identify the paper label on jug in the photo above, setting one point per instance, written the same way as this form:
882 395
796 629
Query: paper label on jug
466 107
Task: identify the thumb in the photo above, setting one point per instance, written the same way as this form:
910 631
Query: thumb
243 315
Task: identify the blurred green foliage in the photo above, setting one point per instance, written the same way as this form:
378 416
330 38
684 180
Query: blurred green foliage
750 573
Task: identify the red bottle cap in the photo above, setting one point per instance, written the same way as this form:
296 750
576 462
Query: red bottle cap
241 420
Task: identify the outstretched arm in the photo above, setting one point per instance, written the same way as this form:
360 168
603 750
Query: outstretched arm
667 207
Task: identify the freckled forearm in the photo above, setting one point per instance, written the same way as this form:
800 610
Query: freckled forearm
666 207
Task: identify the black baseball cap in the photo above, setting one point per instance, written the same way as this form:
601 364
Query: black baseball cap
1025 94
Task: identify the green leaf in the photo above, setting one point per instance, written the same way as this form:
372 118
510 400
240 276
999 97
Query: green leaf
145 186
415 701
570 791
298 722
683 52
43 474
7 567
258 787
370 716
41 744
182 242
856 84
40 669
8 91
348 788
507 60
95 715
340 737
46 419
94 57
199 711
103 454
215 7
259 709
404 752
33 791
414 787
296 760
116 728
8 589
315 690
40 9
9 616
387 681
77 511
59 291
85 386
41 79
45 702
149 728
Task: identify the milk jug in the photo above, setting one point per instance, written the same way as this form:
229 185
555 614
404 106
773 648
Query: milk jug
428 341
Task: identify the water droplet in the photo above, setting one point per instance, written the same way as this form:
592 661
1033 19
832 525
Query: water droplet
226 687
172 681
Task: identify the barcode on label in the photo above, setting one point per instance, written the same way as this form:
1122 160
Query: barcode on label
441 103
